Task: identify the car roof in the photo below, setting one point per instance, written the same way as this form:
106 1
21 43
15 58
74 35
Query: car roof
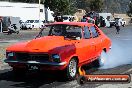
72 23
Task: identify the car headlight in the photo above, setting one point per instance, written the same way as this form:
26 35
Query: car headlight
10 54
55 57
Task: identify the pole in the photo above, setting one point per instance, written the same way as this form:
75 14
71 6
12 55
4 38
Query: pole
1 27
39 13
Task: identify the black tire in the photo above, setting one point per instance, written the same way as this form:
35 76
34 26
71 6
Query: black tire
110 25
9 33
123 25
72 71
101 59
17 32
81 80
19 72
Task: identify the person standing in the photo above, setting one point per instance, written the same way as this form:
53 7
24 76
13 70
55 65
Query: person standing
0 24
117 25
83 19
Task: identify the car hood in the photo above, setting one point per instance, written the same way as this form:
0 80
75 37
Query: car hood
43 44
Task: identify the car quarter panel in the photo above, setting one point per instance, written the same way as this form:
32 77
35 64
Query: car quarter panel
105 41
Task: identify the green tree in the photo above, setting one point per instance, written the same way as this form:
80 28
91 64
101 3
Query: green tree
90 5
96 5
130 9
60 6
113 7
26 1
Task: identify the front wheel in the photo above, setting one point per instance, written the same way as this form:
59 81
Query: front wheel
19 72
9 32
72 69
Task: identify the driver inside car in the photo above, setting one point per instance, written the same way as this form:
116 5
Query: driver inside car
57 32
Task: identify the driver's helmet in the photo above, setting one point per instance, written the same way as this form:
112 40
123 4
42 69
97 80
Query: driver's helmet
57 31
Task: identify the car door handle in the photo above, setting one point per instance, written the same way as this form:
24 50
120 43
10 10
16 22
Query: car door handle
92 43
77 42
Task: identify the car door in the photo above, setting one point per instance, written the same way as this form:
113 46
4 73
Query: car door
85 46
97 38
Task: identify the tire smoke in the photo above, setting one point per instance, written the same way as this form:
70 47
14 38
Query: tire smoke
119 54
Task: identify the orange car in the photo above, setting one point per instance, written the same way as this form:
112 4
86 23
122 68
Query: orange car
60 46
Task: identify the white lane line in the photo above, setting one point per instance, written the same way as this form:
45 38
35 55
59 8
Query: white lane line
126 39
127 71
8 41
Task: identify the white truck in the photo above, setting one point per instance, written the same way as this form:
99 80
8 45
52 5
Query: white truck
123 22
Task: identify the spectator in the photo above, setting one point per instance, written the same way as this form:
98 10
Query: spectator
83 19
56 19
117 25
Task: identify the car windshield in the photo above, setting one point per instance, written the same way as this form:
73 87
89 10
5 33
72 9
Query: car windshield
68 31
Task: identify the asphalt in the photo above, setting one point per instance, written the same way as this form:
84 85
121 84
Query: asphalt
119 62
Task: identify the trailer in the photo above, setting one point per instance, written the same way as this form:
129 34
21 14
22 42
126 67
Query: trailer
25 11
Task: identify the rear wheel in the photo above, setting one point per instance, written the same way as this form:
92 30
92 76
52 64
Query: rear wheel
72 69
101 60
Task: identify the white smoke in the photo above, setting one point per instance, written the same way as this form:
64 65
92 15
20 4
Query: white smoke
120 54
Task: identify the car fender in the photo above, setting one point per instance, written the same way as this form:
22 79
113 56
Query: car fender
72 56
68 54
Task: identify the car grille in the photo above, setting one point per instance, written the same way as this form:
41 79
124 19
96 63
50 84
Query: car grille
32 57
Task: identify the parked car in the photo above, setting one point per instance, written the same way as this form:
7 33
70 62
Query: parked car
33 24
68 18
112 23
123 22
60 46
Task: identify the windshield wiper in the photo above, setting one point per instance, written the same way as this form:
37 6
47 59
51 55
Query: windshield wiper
40 33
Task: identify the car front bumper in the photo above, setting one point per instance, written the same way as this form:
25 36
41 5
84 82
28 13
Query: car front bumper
36 62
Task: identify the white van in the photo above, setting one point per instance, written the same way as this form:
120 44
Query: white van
68 18
33 24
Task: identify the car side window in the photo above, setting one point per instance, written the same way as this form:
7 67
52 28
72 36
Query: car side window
86 33
94 31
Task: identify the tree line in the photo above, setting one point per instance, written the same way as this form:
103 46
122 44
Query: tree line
130 9
67 6
71 6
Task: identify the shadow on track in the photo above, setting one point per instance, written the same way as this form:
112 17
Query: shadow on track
32 80
37 79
